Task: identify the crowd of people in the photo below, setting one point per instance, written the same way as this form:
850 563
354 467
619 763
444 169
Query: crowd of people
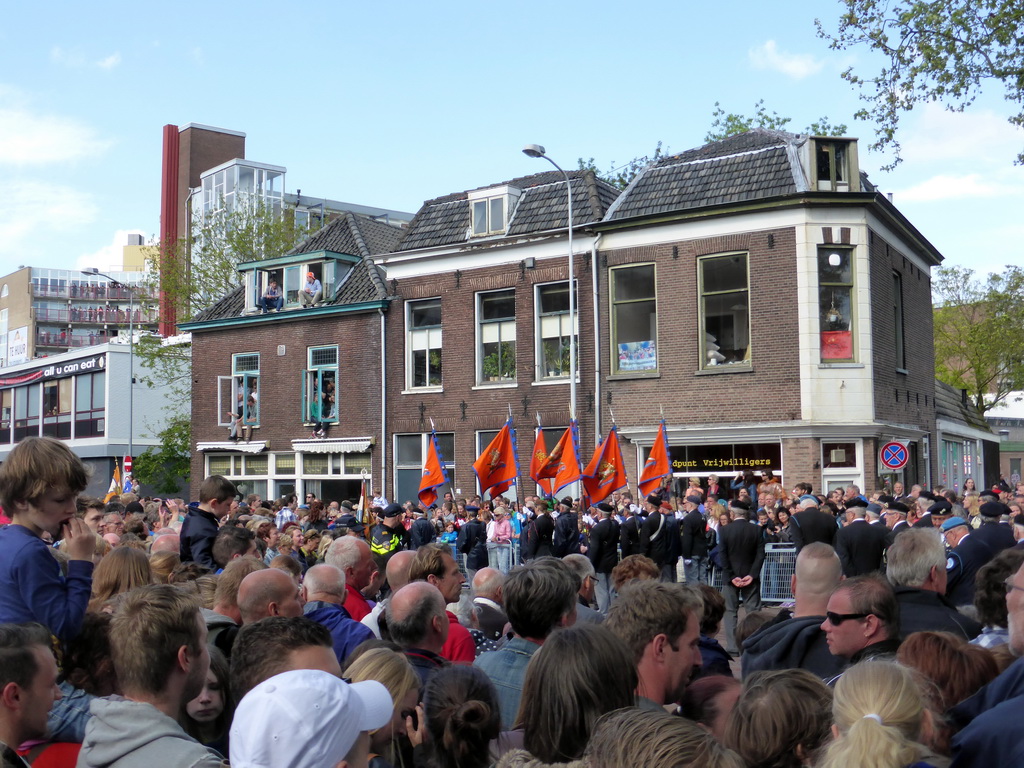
278 634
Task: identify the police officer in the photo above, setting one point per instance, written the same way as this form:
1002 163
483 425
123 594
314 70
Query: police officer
388 536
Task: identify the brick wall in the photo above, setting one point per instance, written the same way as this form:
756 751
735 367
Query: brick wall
901 398
358 387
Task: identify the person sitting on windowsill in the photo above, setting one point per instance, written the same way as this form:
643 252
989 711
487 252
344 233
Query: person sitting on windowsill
312 292
271 299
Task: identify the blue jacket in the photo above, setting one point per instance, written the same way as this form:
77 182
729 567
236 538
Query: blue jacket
507 669
197 535
33 588
346 633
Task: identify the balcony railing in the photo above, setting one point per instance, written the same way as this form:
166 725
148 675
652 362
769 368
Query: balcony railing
98 315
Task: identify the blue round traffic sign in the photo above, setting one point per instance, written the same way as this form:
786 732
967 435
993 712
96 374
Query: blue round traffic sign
894 455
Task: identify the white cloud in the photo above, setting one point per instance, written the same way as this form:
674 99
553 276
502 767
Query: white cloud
109 256
937 135
795 65
34 210
954 187
31 138
74 59
110 61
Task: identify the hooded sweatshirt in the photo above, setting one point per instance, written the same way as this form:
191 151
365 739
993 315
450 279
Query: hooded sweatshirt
791 644
132 734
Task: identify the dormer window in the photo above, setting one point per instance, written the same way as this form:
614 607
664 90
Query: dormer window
490 210
835 165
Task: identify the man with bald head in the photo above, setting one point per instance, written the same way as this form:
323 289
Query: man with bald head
166 542
270 592
352 556
325 596
418 622
397 574
488 586
794 641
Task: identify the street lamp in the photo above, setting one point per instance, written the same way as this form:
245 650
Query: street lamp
536 150
131 354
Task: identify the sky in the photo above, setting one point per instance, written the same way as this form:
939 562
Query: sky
393 104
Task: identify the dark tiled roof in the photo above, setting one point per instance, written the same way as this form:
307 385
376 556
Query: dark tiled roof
541 207
950 405
749 166
352 234
349 234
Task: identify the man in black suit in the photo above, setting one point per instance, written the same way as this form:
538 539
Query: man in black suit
741 545
694 542
629 531
993 531
538 544
860 546
968 555
896 519
603 554
654 537
811 525
566 539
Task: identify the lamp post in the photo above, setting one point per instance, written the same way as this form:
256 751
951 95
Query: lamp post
536 150
131 354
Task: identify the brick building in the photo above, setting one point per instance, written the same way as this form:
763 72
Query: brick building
757 293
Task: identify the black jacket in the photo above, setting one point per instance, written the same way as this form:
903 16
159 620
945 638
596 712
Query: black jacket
742 550
925 611
196 538
813 525
654 538
963 565
421 532
791 644
603 540
566 540
860 547
629 535
472 542
694 535
539 541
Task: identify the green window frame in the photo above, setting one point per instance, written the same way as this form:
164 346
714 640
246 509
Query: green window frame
320 385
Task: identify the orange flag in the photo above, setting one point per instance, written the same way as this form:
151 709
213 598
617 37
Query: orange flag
540 455
434 473
606 472
656 467
563 463
498 467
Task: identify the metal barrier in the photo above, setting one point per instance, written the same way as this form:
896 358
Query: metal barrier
776 573
779 565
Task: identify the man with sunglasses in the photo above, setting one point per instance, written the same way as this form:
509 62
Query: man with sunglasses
862 619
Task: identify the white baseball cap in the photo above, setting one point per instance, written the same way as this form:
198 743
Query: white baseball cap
305 718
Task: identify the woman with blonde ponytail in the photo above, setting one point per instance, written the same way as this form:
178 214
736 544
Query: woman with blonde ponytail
878 712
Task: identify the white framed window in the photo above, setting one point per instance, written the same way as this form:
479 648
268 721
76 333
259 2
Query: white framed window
410 451
634 318
423 343
555 328
842 464
496 336
835 304
240 392
490 209
724 286
320 379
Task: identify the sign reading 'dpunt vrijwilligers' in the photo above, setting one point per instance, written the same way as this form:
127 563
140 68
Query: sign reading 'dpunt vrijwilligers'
730 458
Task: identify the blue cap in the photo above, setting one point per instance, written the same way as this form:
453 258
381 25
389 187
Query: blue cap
952 523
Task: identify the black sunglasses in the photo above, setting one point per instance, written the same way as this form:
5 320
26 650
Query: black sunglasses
835 619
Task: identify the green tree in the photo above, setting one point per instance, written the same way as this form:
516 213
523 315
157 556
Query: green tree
194 274
940 51
167 468
978 328
620 176
725 124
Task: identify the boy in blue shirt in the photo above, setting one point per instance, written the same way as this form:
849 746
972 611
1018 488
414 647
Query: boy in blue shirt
39 484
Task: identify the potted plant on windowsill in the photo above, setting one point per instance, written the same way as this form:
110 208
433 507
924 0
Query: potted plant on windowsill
500 365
